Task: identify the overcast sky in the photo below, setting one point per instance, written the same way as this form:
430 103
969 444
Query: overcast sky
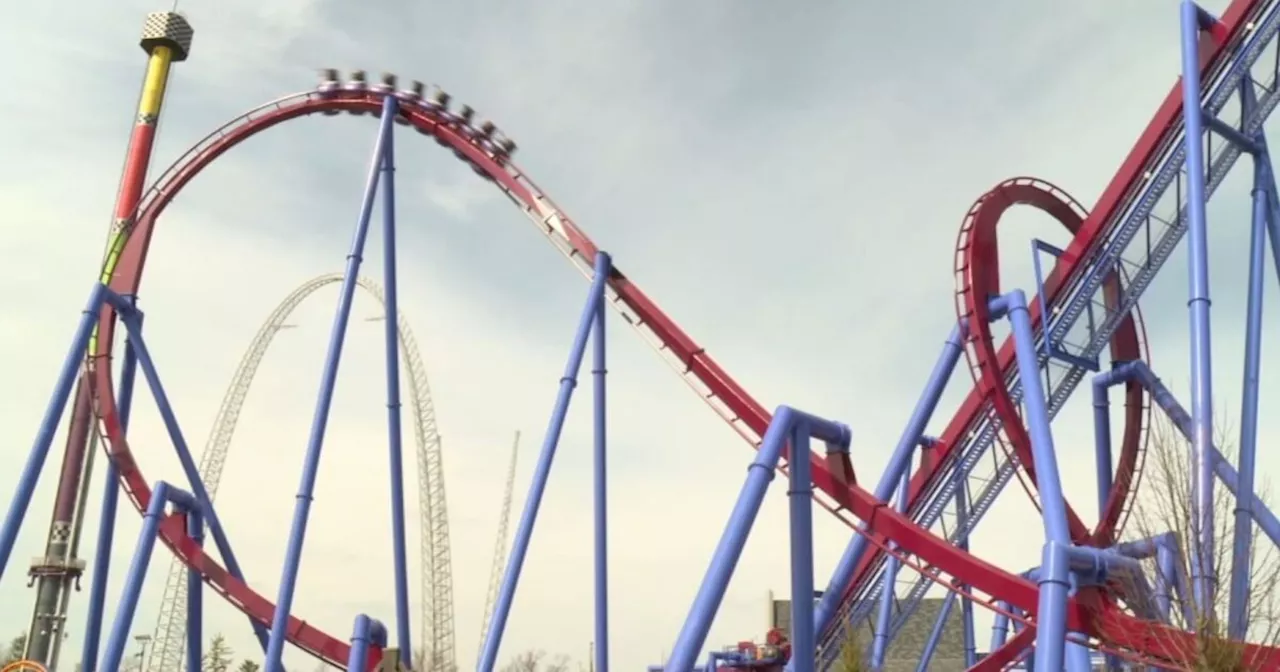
785 180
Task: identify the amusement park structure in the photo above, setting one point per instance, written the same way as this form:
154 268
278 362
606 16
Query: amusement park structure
435 617
1079 322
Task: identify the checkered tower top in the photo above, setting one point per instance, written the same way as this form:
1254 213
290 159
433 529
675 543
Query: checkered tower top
167 29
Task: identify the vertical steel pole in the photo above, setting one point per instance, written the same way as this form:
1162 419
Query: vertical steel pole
107 522
357 658
1198 308
48 426
884 619
725 558
329 377
529 516
800 495
1242 538
195 598
966 605
391 334
114 653
1054 574
935 635
600 493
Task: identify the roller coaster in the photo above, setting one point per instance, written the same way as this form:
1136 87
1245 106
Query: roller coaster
1099 597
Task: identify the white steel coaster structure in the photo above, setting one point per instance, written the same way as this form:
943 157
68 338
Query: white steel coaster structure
436 570
499 564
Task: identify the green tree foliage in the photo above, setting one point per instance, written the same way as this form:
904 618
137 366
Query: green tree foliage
218 657
853 657
248 666
13 652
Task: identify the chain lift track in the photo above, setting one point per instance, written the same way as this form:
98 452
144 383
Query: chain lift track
1100 250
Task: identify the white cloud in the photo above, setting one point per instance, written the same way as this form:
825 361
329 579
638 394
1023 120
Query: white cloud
743 164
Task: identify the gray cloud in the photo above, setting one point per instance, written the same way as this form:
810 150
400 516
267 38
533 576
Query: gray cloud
787 183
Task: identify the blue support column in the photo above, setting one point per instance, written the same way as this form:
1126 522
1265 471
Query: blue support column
391 332
1102 439
1000 626
1166 575
599 372
966 604
884 619
49 426
107 520
528 517
132 321
935 635
1076 655
1262 514
1198 308
361 632
1242 537
1273 203
195 598
804 643
329 376
161 496
911 435
693 633
1051 628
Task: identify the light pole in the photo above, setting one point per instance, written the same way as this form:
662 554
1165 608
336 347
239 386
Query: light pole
142 640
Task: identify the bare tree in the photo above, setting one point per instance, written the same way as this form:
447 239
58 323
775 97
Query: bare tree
1164 505
537 661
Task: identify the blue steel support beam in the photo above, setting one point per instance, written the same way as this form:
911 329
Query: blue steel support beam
107 520
1242 536
131 318
1166 573
329 377
1120 233
542 471
935 635
1051 629
898 462
800 495
1198 309
367 634
1273 220
195 598
1076 655
693 633
358 655
161 496
1102 437
1262 163
391 335
1000 626
48 426
1232 134
1160 394
600 495
966 604
880 643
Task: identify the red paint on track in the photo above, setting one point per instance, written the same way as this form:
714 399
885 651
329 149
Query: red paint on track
1090 616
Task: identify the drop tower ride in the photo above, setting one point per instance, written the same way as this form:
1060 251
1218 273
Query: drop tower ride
166 37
